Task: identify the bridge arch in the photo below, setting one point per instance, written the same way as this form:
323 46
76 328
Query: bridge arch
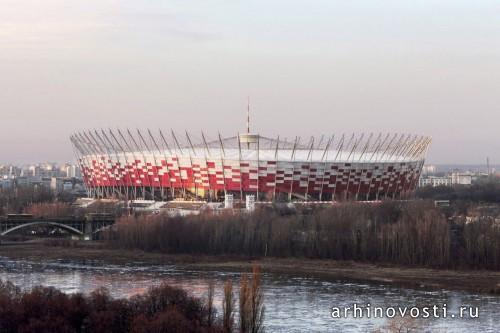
55 224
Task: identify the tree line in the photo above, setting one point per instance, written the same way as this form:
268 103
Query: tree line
161 309
405 233
16 199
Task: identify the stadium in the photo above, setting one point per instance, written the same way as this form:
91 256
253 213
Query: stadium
164 166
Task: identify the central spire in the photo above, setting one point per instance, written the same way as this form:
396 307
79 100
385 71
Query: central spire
248 115
248 138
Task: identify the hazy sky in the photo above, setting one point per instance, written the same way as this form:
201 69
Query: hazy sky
427 67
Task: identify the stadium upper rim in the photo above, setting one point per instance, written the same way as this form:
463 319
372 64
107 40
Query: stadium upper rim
342 148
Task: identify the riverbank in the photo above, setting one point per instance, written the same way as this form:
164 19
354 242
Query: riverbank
487 282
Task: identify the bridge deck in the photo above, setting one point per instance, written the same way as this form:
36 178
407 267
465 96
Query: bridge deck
81 226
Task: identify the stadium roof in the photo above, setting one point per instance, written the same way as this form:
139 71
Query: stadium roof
362 148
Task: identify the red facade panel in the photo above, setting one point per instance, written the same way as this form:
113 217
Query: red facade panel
268 177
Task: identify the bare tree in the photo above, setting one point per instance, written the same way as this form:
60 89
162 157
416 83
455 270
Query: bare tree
403 233
256 302
228 307
210 303
245 309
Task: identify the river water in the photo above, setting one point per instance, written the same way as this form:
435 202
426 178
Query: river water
293 303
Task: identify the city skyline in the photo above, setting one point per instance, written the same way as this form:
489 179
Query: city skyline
337 67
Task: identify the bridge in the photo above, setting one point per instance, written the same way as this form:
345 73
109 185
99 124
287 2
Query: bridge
85 227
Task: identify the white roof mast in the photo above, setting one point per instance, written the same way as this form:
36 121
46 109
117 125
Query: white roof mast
248 115
249 138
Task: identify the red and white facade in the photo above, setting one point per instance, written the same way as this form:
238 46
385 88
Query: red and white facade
144 165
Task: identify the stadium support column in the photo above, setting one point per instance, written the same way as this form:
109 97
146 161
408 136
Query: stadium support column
424 153
367 144
115 164
126 166
94 164
381 158
222 158
105 151
356 142
144 164
347 161
179 165
405 154
340 146
111 170
276 166
204 176
419 156
292 158
120 183
166 163
391 159
375 151
191 164
398 154
411 158
98 155
324 158
172 190
239 157
258 165
416 155
222 163
131 165
151 183
309 158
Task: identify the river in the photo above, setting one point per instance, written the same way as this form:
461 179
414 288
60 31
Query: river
293 303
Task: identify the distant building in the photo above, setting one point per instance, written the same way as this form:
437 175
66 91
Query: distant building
67 186
34 170
455 178
46 182
58 178
56 184
70 171
61 184
429 169
5 182
458 178
434 181
22 181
